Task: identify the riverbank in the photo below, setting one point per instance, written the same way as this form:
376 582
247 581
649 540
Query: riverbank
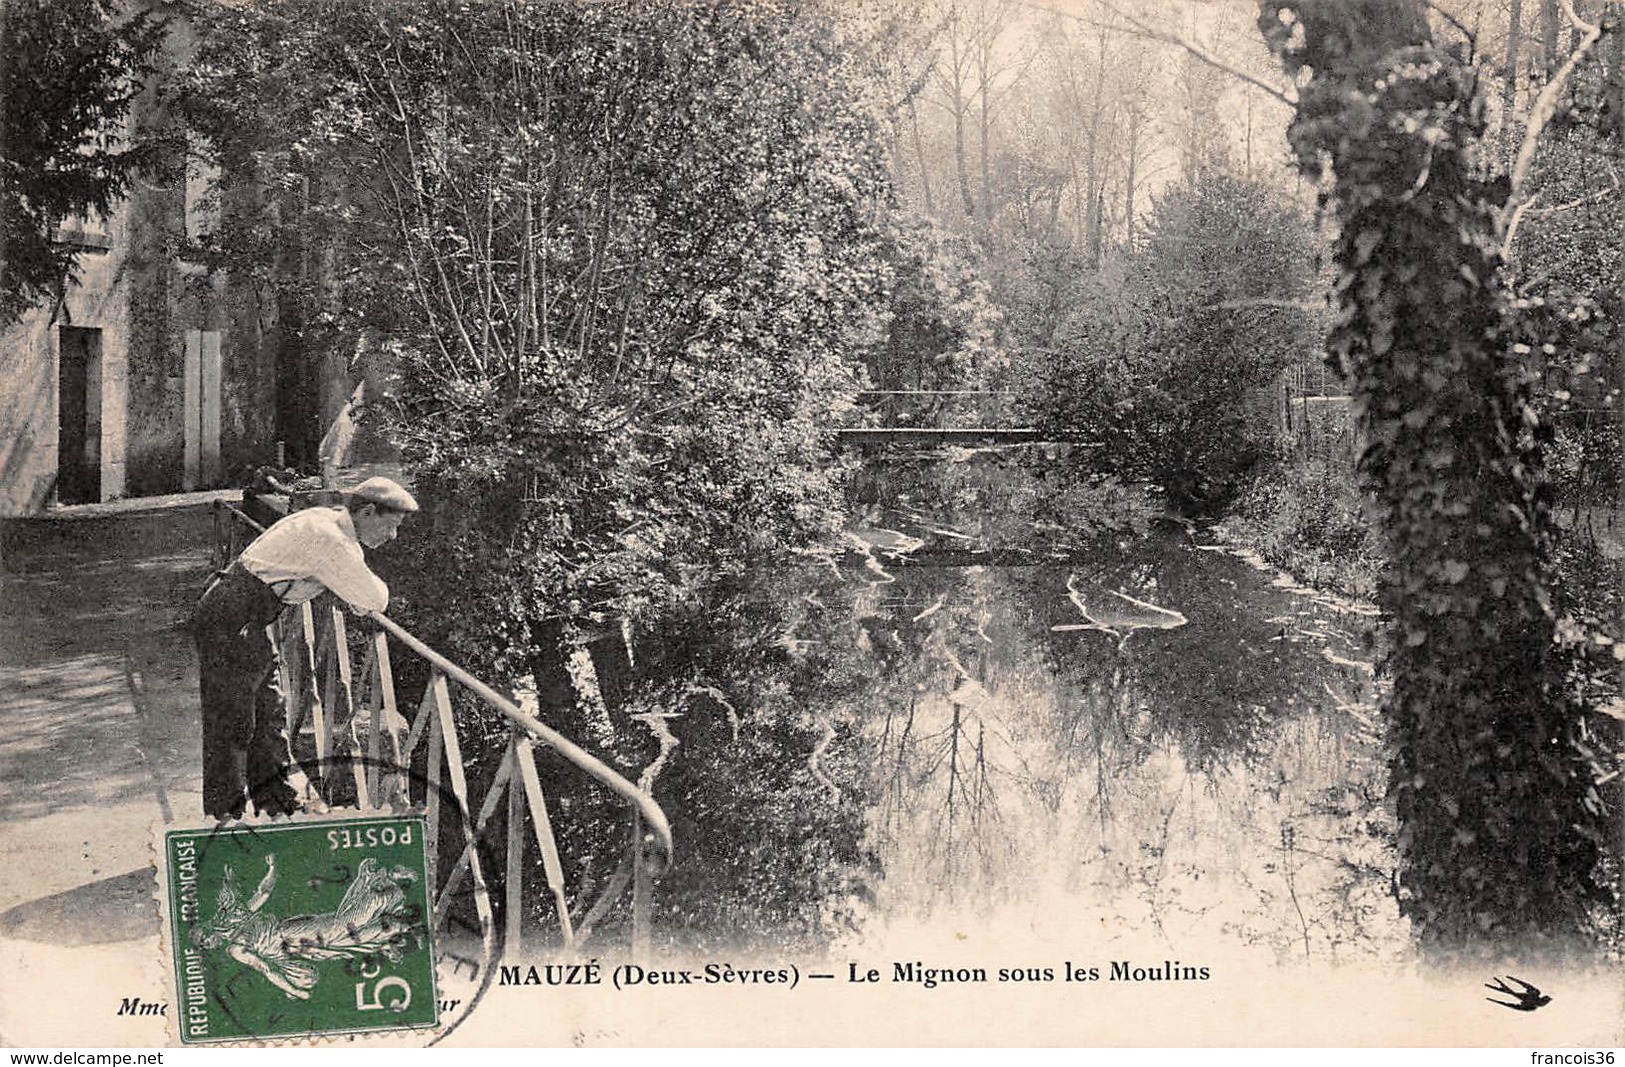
1308 518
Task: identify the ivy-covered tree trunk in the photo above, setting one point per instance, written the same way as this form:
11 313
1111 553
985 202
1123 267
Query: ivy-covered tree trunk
1499 821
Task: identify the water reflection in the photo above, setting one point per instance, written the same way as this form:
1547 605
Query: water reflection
1116 613
1157 732
1118 723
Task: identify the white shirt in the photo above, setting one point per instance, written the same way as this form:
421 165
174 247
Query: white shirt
312 551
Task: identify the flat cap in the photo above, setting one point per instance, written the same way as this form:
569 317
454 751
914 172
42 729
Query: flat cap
385 493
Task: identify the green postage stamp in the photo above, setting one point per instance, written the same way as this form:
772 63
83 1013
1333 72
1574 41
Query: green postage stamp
298 929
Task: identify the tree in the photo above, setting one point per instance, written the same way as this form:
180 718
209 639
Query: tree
1500 823
989 19
942 327
1203 141
1075 69
898 48
951 74
1161 370
626 256
73 69
1509 84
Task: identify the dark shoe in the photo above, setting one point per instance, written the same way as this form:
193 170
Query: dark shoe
277 799
224 810
223 804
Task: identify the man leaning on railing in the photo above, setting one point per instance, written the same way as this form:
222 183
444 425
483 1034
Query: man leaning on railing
316 550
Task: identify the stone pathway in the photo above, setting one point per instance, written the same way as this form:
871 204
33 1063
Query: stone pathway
98 743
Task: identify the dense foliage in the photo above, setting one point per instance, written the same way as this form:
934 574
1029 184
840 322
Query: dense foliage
942 330
1500 824
1165 368
625 257
621 284
1307 516
1569 271
72 69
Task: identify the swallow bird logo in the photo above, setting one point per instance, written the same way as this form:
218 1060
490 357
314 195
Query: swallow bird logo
1528 998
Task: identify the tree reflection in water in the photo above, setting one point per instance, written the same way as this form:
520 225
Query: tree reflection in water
1213 776
873 738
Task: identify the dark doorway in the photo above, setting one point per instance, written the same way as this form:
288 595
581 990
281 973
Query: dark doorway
79 416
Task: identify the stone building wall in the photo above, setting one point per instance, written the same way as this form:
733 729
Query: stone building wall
184 391
30 366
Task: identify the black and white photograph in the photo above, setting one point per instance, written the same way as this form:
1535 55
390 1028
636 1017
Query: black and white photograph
769 523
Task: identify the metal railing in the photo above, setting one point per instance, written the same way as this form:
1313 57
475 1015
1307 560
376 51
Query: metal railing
372 739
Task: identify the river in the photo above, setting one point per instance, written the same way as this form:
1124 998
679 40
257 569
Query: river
1144 733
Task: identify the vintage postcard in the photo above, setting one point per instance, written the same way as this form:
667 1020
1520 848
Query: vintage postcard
811 522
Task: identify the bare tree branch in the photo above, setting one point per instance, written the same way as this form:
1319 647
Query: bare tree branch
1526 206
1469 35
1514 220
1600 194
1139 28
1546 103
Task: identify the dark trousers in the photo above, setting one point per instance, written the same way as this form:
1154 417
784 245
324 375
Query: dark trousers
245 738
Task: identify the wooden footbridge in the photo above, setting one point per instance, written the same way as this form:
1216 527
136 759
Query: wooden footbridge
927 418
928 436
